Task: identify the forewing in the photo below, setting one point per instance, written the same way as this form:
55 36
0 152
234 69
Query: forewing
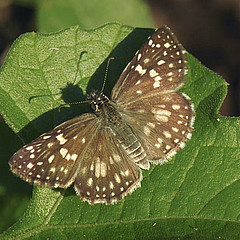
53 158
159 66
106 173
162 123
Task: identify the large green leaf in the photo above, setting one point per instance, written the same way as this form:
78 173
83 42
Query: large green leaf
194 196
13 200
53 15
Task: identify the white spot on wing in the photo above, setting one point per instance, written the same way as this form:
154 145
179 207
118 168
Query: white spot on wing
30 165
157 78
50 159
138 82
103 169
153 73
167 134
140 70
146 60
175 107
50 144
161 62
161 118
116 157
68 157
150 124
63 152
74 157
98 168
175 129
110 160
157 145
146 130
161 112
61 139
167 45
156 84
139 56
90 182
117 178
46 137
168 147
111 185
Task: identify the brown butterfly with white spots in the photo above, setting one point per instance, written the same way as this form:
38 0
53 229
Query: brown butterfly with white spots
146 121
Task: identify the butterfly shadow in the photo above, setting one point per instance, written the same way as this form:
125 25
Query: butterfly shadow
122 53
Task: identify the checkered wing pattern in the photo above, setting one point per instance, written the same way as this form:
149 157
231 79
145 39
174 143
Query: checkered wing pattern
79 151
53 158
160 117
159 66
163 126
107 173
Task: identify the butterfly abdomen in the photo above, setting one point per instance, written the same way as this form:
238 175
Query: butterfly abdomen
124 134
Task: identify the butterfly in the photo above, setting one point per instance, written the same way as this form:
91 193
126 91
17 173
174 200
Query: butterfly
146 120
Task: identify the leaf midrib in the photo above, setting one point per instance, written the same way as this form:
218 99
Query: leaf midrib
47 226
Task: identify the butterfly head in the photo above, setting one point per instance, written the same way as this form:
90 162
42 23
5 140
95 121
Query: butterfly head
97 99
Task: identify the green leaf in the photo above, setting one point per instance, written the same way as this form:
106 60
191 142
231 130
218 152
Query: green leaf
53 15
194 196
13 200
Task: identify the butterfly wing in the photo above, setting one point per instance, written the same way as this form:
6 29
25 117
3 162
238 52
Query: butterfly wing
106 173
53 158
158 67
146 94
162 124
102 171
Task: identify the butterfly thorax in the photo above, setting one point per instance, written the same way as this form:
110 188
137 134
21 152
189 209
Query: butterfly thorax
104 108
97 99
112 119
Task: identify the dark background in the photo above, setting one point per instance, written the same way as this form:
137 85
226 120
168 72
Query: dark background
209 30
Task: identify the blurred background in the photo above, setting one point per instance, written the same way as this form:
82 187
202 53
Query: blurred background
208 29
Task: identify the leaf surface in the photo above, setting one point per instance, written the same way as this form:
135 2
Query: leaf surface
194 196
53 15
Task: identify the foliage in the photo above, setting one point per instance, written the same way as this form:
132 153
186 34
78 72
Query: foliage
194 196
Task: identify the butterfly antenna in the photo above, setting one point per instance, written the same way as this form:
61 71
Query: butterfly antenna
104 82
106 72
72 103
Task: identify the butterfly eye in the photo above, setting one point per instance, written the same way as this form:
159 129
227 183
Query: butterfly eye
94 106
